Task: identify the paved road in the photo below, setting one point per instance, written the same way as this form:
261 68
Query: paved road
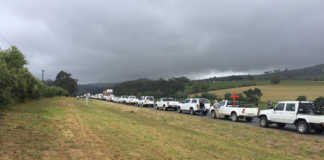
255 122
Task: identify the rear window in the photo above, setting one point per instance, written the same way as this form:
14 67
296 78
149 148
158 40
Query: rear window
308 108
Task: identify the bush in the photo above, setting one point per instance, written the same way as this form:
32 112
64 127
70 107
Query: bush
17 84
251 96
210 97
301 98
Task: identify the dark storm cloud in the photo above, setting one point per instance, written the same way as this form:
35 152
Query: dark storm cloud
105 41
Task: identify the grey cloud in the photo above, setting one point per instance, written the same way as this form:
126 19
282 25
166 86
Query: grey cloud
108 41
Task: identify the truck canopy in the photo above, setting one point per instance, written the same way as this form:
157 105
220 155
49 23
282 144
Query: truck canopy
309 108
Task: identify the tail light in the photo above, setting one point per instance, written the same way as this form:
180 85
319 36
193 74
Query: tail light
243 111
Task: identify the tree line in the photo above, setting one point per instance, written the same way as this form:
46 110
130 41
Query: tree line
17 84
157 88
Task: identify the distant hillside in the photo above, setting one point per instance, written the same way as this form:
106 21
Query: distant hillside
315 73
309 73
181 86
95 87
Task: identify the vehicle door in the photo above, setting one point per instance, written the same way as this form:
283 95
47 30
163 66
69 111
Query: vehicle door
277 113
222 107
289 115
194 104
187 104
159 102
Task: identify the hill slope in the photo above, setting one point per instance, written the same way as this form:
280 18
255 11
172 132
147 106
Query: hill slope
286 90
308 73
65 128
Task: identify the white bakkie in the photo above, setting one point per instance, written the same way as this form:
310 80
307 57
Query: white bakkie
303 115
131 100
146 101
225 109
194 105
166 104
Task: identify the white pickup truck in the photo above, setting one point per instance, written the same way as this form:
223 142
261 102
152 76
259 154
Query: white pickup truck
122 99
225 109
194 105
302 114
166 104
131 100
146 101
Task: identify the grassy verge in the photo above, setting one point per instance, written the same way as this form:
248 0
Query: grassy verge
65 128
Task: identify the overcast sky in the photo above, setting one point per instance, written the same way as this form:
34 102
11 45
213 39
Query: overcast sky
111 41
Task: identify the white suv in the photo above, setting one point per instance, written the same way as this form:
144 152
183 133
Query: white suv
304 115
194 105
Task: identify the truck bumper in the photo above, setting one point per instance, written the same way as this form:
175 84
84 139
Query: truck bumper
172 107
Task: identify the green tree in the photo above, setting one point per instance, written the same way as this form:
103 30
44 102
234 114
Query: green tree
17 83
227 96
301 98
65 81
253 95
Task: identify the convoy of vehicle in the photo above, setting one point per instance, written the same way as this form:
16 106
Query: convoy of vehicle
301 114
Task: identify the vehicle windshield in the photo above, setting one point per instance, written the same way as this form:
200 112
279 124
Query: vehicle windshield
222 103
150 98
308 108
168 99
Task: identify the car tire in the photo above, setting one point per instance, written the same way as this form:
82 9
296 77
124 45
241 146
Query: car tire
179 110
192 112
302 127
213 114
264 122
234 117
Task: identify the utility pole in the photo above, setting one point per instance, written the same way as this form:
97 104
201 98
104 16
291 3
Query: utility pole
43 71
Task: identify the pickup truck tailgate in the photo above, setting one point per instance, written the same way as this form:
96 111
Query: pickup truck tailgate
250 112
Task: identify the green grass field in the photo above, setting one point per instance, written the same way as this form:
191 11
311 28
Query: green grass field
286 90
65 128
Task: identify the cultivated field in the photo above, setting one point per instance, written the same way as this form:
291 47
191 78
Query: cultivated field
286 90
65 128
